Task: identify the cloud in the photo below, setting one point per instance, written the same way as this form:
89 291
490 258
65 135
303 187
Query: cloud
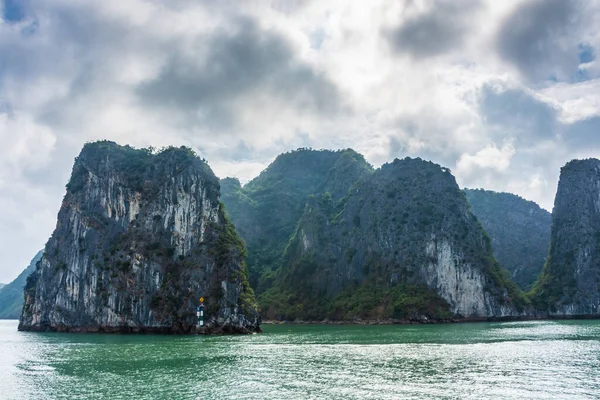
539 39
536 143
517 113
26 149
439 29
575 101
583 136
231 66
490 157
21 137
503 93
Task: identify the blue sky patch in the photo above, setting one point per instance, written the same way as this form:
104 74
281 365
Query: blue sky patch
13 10
586 53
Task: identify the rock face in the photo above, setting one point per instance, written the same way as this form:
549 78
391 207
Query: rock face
401 244
519 230
570 281
139 238
11 295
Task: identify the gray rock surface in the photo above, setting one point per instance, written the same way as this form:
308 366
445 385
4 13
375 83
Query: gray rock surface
406 224
139 238
570 281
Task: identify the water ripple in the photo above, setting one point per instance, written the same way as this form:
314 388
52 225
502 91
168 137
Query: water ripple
516 360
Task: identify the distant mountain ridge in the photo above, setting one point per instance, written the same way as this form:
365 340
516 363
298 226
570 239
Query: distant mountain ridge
519 230
11 295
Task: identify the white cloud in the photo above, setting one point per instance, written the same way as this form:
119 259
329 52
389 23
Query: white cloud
490 157
25 145
242 82
576 101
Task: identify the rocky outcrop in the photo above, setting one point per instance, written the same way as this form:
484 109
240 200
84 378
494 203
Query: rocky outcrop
519 230
570 281
405 239
139 238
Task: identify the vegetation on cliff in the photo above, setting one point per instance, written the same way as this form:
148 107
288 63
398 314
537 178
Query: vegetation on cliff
570 280
11 295
382 238
519 232
358 249
266 210
366 301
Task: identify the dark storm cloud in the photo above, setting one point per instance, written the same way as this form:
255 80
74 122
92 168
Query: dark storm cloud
538 39
72 32
434 32
83 45
236 65
516 113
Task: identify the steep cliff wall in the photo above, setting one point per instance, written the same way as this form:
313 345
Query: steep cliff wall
402 244
139 238
519 229
570 281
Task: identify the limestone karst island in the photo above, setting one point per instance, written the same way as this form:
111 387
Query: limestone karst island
142 236
300 200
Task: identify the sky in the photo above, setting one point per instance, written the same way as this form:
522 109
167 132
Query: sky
501 92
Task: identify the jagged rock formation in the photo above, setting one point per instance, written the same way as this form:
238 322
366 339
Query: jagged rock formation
570 280
399 242
11 295
406 232
139 238
519 230
267 209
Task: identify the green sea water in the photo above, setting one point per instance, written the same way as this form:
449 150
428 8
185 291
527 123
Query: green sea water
513 360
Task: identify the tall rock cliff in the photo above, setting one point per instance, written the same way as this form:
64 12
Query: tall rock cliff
570 280
139 238
519 229
401 244
267 209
